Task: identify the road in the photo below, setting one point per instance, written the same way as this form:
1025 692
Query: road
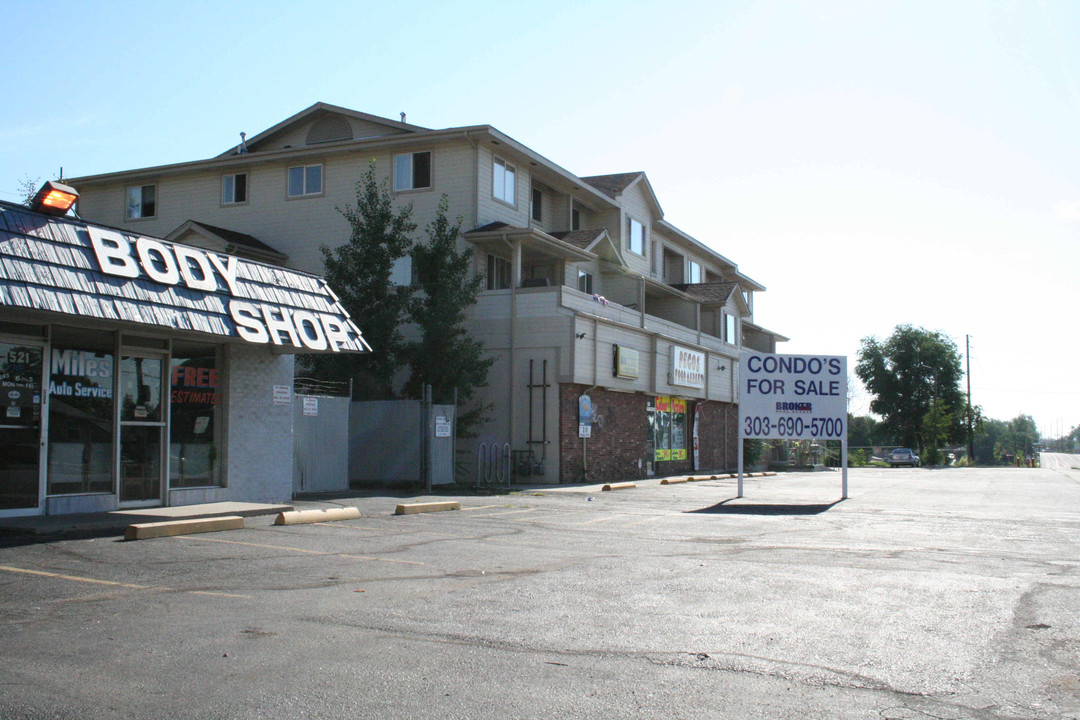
927 594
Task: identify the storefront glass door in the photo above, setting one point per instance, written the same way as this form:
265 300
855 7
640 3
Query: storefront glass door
142 430
20 425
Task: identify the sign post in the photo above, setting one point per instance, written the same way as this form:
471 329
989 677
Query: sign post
793 397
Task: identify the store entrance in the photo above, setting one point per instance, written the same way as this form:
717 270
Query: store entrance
142 429
20 426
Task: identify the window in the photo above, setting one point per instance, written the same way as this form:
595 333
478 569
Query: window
730 329
693 272
637 237
498 273
575 219
667 429
196 416
401 272
412 171
80 411
503 181
305 180
141 202
234 189
537 204
584 282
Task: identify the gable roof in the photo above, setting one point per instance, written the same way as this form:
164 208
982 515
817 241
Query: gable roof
596 241
716 293
614 185
312 113
228 241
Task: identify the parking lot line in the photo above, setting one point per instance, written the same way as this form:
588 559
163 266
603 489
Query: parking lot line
113 583
298 550
603 518
512 512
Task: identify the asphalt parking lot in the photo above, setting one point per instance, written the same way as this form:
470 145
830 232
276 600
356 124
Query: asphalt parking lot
926 594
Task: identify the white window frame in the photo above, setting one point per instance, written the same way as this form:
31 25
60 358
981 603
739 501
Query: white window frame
587 277
731 328
631 223
405 171
134 211
536 205
499 271
228 189
305 191
691 266
504 182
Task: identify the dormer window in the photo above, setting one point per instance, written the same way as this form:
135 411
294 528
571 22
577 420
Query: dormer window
412 171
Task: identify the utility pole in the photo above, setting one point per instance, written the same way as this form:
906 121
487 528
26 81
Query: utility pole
970 424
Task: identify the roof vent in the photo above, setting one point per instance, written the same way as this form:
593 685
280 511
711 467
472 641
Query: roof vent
329 128
402 117
243 144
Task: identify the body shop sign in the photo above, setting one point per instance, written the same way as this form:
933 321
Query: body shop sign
792 397
207 273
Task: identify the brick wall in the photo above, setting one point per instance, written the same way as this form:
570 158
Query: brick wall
614 450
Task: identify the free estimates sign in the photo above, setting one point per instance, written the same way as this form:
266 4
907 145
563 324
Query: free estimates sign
792 397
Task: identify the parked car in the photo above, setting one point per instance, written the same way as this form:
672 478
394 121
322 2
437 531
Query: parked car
903 456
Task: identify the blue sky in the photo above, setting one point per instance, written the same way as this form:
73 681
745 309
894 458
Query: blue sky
870 163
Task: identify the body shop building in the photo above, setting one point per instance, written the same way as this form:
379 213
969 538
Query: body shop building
138 372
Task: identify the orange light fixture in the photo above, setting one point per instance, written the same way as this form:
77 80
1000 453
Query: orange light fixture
54 198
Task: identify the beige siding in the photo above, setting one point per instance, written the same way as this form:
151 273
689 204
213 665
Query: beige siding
273 218
491 210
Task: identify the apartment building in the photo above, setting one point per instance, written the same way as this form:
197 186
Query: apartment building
615 335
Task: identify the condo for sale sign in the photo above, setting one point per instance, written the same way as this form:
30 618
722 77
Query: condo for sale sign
792 397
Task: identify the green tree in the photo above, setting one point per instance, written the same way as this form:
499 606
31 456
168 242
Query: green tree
905 374
1019 438
865 431
445 356
988 437
937 425
359 272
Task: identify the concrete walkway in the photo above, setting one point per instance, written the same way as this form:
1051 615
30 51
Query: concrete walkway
116 521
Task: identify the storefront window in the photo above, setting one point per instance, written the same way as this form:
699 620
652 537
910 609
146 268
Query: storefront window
667 425
80 449
678 429
196 416
20 424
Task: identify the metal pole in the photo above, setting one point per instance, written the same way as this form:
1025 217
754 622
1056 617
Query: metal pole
970 426
741 442
843 453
